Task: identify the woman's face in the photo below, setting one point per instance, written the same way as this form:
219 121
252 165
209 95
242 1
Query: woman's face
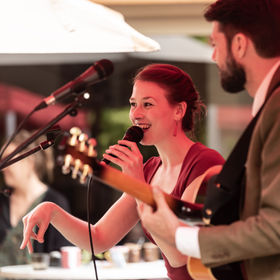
17 172
150 110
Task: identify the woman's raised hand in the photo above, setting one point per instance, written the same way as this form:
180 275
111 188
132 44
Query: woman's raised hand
128 157
40 216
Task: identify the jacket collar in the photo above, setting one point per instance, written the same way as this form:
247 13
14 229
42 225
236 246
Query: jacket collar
275 82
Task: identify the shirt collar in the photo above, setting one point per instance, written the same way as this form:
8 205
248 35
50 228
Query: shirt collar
263 88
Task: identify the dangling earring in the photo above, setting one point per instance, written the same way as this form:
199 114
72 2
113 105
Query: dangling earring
175 128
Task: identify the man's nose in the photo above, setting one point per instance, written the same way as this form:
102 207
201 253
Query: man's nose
214 55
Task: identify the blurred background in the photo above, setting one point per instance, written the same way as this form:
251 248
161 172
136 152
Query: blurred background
182 33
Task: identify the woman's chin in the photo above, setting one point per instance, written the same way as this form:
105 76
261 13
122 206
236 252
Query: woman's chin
146 143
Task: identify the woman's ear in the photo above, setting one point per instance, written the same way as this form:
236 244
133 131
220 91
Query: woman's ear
180 111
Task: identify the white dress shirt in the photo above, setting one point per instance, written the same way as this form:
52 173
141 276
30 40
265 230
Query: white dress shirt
186 238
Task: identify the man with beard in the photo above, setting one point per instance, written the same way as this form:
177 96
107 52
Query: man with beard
246 43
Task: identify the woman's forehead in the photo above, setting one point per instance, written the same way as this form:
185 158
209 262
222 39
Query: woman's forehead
148 89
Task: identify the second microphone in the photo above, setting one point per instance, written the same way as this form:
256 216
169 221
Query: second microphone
133 134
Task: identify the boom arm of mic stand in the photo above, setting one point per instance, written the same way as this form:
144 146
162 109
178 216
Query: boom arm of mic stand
68 110
43 146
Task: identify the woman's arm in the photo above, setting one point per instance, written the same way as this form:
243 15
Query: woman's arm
175 258
110 229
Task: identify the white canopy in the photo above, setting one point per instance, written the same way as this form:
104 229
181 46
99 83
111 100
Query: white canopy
66 26
179 48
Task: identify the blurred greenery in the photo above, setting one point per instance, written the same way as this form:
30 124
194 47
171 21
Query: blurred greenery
204 39
114 122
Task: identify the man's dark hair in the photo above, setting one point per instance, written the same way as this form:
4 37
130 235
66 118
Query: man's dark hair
258 19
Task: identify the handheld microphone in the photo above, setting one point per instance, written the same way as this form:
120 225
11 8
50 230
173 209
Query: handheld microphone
98 72
133 134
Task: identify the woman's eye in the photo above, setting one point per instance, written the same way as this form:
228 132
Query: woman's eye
132 104
147 104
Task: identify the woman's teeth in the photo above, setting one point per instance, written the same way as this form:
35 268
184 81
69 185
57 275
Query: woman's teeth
144 126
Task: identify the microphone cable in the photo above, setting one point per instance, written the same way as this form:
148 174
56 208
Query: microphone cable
89 192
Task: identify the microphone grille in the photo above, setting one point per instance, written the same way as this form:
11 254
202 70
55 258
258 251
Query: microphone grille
104 67
134 134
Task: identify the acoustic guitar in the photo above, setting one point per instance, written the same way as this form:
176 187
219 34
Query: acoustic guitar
78 158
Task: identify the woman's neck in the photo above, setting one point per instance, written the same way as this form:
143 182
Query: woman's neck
23 197
173 151
31 188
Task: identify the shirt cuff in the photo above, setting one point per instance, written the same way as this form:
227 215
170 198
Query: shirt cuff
186 239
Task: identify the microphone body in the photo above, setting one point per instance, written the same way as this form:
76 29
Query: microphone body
133 134
98 72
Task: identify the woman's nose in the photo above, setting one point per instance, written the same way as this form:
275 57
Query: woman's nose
137 112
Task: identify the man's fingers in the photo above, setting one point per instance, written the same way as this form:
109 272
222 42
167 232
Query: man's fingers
143 208
159 197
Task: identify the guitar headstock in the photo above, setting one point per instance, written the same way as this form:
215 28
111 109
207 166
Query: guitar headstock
77 155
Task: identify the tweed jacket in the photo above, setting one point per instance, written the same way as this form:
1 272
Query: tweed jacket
255 239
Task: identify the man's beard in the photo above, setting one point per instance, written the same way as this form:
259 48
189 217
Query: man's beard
233 79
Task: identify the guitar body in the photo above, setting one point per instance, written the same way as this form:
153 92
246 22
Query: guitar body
195 267
198 271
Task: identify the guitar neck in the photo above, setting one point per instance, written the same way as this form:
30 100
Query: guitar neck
187 211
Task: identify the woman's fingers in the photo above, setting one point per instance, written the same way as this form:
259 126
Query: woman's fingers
27 235
40 217
128 157
125 153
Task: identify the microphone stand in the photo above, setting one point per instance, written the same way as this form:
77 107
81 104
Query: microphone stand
42 146
70 109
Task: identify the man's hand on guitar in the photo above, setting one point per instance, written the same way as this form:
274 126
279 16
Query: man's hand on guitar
161 222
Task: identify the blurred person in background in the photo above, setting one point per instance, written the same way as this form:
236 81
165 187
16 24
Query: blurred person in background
28 182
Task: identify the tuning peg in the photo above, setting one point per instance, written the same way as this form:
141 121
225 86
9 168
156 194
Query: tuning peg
86 172
77 167
75 133
83 142
67 164
91 147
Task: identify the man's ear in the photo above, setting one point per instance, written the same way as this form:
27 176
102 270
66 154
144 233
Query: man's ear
239 45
